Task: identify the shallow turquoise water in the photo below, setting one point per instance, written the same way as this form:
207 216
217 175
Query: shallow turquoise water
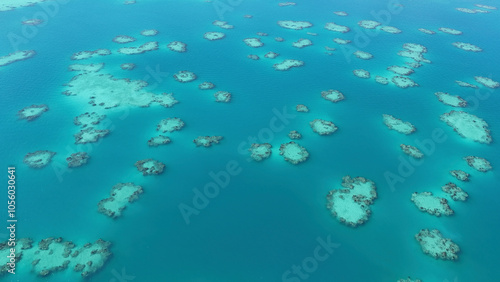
270 215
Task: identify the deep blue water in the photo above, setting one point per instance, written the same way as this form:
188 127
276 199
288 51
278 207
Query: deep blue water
270 215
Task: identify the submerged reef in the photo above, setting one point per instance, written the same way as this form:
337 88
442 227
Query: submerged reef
293 153
468 126
87 119
288 64
122 39
121 195
332 95
149 166
455 192
77 159
170 125
488 82
433 244
450 30
412 151
301 43
450 100
295 25
294 134
336 27
222 96
32 112
158 140
177 46
149 32
351 205
38 159
465 84
323 127
368 24
404 82
213 35
54 255
83 55
103 90
260 152
90 135
400 126
460 175
302 108
207 141
253 42
185 76
206 85
426 202
16 56
127 66
467 46
361 73
478 163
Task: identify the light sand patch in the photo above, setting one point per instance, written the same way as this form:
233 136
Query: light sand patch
468 126
32 112
400 126
426 202
478 163
293 152
433 244
121 195
351 205
207 141
323 127
260 152
16 56
288 64
450 100
295 25
38 159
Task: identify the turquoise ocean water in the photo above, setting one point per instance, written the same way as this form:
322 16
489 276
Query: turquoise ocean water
270 215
